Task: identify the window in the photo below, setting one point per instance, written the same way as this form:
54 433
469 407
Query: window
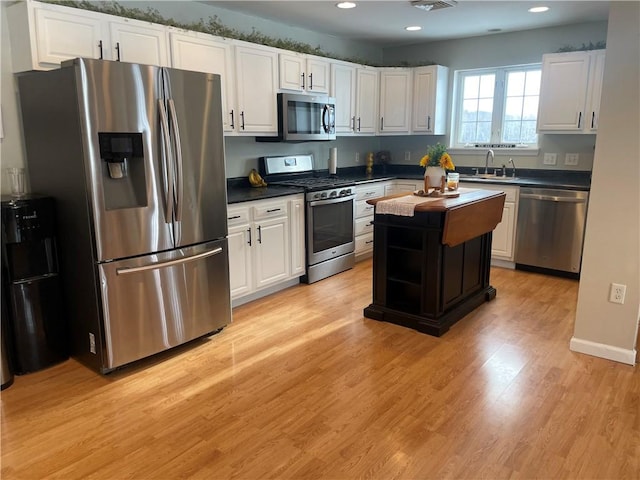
497 107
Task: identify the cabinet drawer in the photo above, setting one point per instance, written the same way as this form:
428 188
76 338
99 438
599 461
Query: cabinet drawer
237 216
364 225
369 191
363 209
364 243
271 210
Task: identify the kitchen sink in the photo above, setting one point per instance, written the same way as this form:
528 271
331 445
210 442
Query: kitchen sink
483 176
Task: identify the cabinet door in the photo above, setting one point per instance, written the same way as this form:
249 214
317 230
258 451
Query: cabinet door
594 92
256 74
135 42
206 54
563 92
366 100
395 101
240 267
296 215
502 243
343 88
430 99
292 71
62 35
318 75
271 248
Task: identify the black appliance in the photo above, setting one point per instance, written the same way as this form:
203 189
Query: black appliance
37 329
329 213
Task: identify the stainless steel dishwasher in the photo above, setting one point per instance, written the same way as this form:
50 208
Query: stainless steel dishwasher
550 229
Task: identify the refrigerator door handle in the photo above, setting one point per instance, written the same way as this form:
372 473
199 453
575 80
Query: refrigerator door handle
179 178
167 165
168 263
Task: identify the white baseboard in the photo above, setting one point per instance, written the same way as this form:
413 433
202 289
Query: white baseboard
497 262
603 351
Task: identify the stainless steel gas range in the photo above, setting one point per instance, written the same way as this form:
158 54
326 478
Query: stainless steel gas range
329 213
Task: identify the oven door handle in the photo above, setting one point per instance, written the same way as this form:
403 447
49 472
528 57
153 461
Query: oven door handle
348 198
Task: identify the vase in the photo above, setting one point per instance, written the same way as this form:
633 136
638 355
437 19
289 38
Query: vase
433 177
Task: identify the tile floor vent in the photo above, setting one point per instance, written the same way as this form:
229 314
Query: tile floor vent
429 5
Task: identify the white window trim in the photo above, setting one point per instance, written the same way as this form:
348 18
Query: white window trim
498 111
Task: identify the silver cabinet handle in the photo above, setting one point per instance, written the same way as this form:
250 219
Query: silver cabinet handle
233 218
118 50
249 231
271 210
302 81
168 263
232 125
428 122
100 47
381 123
579 119
259 234
358 123
242 120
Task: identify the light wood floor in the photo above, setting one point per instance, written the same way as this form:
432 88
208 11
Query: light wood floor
301 385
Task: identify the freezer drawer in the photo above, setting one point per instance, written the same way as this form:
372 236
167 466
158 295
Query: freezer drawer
159 301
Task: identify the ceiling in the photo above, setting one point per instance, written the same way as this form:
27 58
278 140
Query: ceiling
382 22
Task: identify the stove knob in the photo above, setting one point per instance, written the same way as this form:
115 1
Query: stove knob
334 194
316 196
344 193
324 195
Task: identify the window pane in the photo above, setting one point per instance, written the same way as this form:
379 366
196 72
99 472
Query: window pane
471 85
529 134
511 132
484 132
530 108
467 132
487 84
532 86
515 83
513 109
485 109
470 110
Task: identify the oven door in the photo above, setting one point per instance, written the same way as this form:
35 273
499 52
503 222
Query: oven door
330 228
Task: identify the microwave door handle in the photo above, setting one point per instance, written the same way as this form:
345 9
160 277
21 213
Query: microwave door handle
326 118
167 164
179 176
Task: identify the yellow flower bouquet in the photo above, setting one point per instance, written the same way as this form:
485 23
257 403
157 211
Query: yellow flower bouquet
437 156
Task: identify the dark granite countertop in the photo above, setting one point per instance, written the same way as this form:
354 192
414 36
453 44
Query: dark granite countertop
239 190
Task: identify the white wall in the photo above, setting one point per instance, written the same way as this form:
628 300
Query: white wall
612 242
11 147
498 50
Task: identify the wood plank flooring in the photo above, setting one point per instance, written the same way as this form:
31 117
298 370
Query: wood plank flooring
302 386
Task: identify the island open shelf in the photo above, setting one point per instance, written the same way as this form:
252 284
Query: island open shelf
432 268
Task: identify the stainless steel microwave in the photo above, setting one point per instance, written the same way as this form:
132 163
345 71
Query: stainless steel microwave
303 118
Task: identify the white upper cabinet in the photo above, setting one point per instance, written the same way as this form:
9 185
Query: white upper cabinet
396 89
256 76
570 92
343 89
430 100
205 53
303 73
133 41
44 35
366 99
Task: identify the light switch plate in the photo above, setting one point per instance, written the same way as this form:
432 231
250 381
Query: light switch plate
550 158
571 159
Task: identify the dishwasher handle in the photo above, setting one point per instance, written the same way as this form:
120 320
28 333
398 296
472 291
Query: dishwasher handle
553 198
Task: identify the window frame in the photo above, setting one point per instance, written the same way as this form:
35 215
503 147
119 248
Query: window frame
497 118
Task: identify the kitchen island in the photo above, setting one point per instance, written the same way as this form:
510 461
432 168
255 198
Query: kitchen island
432 268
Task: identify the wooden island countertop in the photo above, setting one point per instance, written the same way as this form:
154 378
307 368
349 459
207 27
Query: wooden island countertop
471 214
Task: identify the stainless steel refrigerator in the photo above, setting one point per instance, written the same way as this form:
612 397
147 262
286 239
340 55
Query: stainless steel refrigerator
134 156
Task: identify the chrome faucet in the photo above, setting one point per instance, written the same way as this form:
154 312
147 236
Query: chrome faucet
514 167
486 161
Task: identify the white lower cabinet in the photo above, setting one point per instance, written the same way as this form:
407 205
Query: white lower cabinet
364 217
265 246
400 186
504 235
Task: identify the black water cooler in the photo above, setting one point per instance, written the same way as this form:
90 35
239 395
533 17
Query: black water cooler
37 328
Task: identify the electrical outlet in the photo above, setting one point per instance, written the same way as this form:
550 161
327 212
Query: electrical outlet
357 157
571 159
550 158
617 293
407 156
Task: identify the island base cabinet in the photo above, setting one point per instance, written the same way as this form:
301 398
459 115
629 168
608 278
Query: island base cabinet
420 283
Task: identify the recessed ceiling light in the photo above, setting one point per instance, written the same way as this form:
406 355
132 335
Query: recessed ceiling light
413 28
538 9
346 5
